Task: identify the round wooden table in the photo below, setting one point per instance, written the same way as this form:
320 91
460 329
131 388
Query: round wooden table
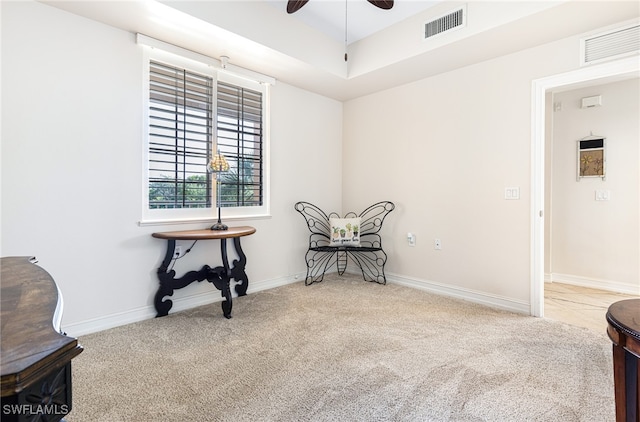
624 331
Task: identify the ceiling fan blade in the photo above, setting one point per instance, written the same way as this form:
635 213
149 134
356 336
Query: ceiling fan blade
382 4
295 5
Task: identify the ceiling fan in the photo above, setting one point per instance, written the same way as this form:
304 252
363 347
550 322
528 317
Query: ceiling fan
295 5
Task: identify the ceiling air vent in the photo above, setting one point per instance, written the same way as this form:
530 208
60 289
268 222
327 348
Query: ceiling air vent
610 45
445 23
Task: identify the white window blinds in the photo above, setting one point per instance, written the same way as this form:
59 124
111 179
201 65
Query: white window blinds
180 137
240 139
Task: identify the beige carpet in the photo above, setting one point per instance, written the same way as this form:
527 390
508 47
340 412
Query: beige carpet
344 350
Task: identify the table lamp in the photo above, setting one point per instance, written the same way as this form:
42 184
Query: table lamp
217 166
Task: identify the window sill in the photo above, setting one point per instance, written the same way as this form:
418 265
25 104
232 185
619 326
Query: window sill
176 221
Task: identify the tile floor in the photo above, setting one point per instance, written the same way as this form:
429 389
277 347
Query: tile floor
581 306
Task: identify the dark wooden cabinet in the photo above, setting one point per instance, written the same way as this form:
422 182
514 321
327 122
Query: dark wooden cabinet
36 355
624 331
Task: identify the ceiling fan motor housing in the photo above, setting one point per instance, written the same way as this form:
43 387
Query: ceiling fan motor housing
295 5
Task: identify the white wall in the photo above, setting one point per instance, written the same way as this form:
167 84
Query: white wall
72 170
444 149
597 243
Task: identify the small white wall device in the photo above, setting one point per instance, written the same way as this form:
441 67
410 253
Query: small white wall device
589 102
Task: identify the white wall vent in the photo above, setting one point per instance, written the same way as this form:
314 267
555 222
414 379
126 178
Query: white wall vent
445 23
610 45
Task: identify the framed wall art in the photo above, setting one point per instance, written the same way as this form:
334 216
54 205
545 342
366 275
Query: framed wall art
592 157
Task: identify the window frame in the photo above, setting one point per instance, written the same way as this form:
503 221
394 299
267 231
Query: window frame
209 67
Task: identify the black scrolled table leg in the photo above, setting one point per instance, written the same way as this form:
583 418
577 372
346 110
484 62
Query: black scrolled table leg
165 289
168 282
237 272
221 278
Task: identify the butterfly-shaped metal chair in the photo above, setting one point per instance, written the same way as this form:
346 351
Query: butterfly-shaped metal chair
368 255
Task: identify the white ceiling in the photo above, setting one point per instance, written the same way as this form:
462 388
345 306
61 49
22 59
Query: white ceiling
360 17
305 49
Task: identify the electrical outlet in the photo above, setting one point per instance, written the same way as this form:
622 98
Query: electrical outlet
437 244
177 252
511 193
411 238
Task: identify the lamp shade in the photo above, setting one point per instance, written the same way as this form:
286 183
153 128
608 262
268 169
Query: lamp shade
218 164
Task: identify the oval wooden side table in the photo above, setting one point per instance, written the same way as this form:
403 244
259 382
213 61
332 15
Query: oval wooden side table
219 276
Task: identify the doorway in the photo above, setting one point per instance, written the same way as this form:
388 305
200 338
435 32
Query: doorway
619 69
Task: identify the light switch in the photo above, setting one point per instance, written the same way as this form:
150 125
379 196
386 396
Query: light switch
602 195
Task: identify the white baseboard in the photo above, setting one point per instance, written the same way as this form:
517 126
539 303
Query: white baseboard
188 302
594 283
481 298
179 304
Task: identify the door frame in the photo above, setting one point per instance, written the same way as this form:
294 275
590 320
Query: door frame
619 69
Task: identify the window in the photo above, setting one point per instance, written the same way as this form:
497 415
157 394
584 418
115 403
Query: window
194 111
180 137
239 130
